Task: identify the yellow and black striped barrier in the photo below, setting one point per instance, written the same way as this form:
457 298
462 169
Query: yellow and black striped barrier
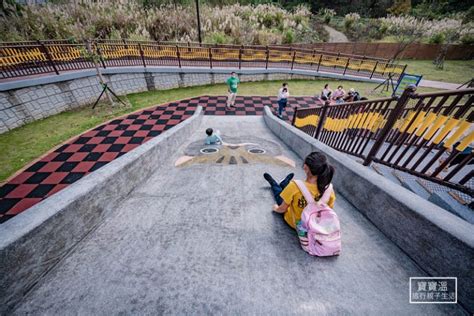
14 57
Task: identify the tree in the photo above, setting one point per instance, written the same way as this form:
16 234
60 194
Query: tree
400 7
406 29
10 8
450 30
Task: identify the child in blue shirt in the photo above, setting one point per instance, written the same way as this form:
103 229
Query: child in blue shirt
213 138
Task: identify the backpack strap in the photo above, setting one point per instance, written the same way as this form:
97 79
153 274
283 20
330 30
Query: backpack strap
309 198
307 195
326 195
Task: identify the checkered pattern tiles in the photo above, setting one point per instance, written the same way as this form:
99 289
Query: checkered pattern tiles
99 146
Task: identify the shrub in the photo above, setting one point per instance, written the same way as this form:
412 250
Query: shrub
466 35
350 19
400 7
218 38
288 37
326 14
150 19
469 15
437 38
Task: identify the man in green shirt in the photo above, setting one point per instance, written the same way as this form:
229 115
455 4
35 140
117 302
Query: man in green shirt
232 83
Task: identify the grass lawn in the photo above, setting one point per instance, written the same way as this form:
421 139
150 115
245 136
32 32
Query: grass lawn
455 71
24 144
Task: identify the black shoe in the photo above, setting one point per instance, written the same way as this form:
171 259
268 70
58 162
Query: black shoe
269 179
287 180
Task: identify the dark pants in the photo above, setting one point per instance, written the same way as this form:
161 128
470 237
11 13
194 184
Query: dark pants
281 105
277 188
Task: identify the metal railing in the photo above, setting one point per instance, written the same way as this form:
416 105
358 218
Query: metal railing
429 135
55 56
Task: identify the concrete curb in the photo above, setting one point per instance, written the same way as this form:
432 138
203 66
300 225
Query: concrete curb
441 243
48 79
33 242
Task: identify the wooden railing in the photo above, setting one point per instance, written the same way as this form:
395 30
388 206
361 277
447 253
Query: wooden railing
55 56
422 134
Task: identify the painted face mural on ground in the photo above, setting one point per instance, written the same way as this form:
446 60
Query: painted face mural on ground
234 151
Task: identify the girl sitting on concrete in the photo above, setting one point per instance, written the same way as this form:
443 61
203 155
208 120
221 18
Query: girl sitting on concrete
290 200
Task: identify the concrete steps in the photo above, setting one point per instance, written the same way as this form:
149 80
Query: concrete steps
456 202
452 200
410 182
447 201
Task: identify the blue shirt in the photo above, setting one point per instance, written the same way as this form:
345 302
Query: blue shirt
213 139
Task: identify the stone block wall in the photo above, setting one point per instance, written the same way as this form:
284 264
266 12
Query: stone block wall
23 105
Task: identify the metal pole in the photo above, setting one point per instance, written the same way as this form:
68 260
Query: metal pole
48 55
240 57
319 63
177 55
141 54
198 21
293 60
347 65
294 116
210 57
375 67
391 119
403 71
322 118
266 58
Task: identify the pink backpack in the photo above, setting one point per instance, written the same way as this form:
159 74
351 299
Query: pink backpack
319 230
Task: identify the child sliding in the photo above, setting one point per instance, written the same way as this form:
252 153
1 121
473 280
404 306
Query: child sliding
307 206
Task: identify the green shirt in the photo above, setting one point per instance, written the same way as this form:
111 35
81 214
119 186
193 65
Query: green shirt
232 82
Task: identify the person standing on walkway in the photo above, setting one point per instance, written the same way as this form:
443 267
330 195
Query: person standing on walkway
232 83
283 95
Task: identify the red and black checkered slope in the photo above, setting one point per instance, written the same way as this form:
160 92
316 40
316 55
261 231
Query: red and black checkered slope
95 148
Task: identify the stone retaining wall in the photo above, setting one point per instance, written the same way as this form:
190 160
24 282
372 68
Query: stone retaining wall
37 101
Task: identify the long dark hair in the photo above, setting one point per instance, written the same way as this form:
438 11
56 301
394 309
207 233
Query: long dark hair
318 165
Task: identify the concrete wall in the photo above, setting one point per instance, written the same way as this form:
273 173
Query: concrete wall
24 101
33 242
441 243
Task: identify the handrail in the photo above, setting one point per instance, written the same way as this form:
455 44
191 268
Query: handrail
444 92
32 58
403 136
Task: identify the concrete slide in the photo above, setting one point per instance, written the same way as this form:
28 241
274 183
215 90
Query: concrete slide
200 238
